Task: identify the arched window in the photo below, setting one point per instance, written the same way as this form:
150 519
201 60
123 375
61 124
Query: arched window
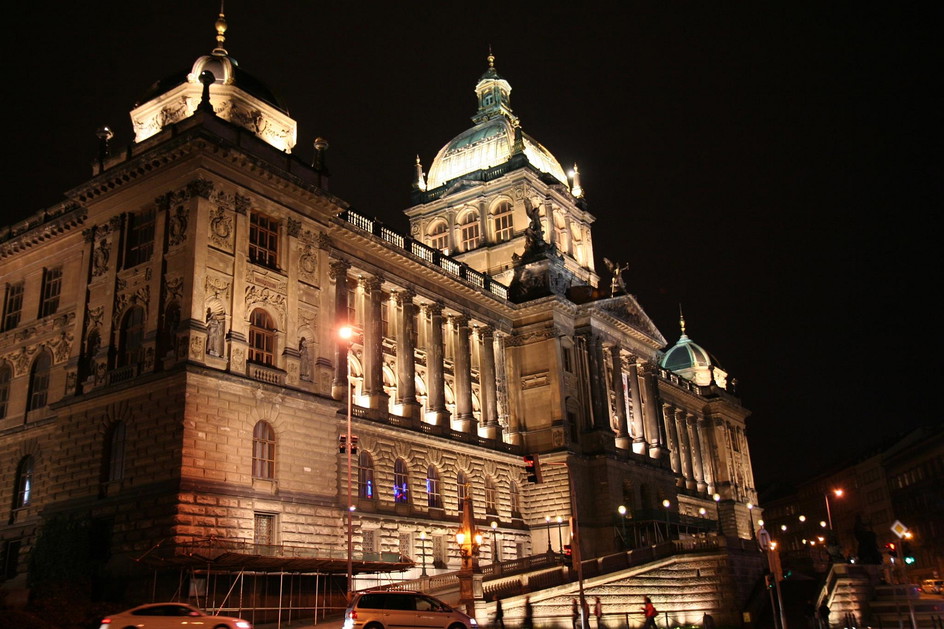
263 451
561 237
515 495
462 486
24 482
261 338
470 236
433 488
491 496
401 482
365 476
6 374
113 459
131 338
439 236
39 382
503 222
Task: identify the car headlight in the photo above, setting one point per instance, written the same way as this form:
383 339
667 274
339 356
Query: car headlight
473 622
243 624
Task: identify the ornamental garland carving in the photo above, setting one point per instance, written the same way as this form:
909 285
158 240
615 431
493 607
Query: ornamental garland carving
324 241
173 288
61 346
100 257
256 295
293 227
177 230
217 288
142 297
95 315
308 263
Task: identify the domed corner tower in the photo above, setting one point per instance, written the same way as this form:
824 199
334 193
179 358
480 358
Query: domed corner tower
474 204
235 95
690 361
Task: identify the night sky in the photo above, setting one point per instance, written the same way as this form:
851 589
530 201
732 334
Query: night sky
773 168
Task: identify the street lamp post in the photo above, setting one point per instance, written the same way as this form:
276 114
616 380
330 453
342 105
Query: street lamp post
470 577
423 550
494 526
560 538
750 511
667 504
829 515
547 527
717 499
622 511
345 334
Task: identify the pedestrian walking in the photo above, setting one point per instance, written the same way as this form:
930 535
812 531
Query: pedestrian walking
824 615
574 614
598 611
650 612
528 614
499 615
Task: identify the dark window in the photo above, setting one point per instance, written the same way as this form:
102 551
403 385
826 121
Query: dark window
263 240
365 476
39 382
5 375
131 338
11 558
12 306
261 338
52 286
433 488
263 451
461 487
24 482
113 463
140 238
515 496
401 483
491 496
264 532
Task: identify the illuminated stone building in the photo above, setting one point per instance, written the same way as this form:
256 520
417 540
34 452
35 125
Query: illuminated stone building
171 374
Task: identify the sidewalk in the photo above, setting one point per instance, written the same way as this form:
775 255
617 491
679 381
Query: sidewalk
330 623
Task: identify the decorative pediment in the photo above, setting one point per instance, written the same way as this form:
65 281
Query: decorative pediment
625 308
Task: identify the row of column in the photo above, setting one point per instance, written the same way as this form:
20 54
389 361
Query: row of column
405 332
689 445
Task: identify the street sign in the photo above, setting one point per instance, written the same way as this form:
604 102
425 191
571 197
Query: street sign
899 529
763 538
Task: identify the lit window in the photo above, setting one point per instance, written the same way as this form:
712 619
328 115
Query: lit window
12 306
401 486
24 482
503 220
469 230
131 338
140 238
365 475
263 240
261 338
263 451
433 488
264 529
439 236
461 488
49 297
491 496
39 382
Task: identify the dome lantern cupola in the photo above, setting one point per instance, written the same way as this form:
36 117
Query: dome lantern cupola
235 96
690 361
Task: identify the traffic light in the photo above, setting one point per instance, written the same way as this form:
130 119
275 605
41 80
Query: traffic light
568 551
890 549
769 581
342 444
906 552
532 466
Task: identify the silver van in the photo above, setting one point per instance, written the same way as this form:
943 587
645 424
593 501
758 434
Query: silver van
383 609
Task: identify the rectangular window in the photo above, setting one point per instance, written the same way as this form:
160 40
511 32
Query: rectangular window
406 545
52 286
470 235
140 238
503 227
264 532
12 306
11 558
264 240
371 543
440 551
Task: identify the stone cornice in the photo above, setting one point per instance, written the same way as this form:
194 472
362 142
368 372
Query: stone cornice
42 227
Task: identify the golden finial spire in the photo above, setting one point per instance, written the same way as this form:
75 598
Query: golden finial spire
491 58
220 32
681 320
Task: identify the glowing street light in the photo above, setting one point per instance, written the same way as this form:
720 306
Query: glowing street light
560 537
346 333
667 504
750 511
829 516
494 526
622 511
547 526
717 499
423 550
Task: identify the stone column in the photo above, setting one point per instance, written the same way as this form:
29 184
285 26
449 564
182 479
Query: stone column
685 449
707 456
436 403
599 398
338 273
483 221
697 462
651 417
639 439
373 345
668 415
487 382
622 434
406 354
463 375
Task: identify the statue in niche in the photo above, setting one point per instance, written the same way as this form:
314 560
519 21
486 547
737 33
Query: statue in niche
304 360
100 258
534 233
214 323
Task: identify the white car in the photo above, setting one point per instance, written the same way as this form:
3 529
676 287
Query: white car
170 616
